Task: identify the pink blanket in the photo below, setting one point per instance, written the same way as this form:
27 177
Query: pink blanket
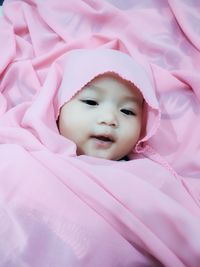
58 209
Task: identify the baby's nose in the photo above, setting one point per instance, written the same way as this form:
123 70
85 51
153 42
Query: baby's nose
108 118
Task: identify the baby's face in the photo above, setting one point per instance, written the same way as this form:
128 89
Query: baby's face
104 119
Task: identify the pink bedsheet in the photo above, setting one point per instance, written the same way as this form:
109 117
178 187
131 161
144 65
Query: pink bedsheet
61 210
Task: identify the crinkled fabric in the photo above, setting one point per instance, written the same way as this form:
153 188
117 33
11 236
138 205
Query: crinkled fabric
57 209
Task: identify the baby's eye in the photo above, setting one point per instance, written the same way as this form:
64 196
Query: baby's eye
90 102
128 112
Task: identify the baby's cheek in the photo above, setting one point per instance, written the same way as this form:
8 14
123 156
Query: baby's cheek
64 127
132 136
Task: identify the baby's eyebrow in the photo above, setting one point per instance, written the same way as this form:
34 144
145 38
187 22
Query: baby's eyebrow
134 99
86 89
91 87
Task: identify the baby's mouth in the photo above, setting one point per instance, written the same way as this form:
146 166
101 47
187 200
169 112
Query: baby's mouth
103 138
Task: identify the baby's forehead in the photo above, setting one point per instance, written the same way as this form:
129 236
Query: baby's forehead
103 84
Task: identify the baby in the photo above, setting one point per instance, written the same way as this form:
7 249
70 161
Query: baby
106 104
104 119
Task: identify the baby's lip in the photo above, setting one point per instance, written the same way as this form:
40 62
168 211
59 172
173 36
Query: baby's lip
104 137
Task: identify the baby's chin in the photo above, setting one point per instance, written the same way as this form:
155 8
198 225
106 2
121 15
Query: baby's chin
101 154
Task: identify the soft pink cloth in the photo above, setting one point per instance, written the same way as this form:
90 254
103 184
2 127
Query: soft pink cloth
58 209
